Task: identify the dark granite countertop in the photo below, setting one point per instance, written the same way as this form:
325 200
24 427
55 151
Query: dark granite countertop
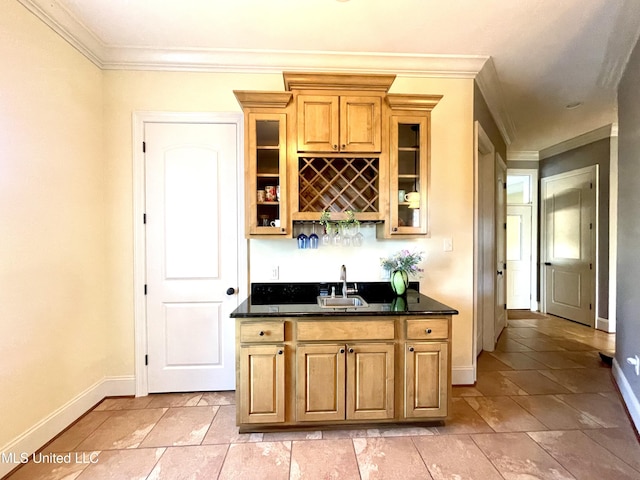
300 300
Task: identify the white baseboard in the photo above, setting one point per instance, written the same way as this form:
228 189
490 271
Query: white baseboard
630 399
463 375
604 325
42 432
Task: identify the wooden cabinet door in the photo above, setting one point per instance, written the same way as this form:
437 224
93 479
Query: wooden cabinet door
320 382
318 123
426 380
262 398
266 166
360 124
370 381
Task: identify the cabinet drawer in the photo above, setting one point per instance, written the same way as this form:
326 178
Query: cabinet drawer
262 332
345 330
428 329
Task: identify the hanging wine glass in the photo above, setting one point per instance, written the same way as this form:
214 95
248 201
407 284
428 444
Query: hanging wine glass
326 238
358 238
313 238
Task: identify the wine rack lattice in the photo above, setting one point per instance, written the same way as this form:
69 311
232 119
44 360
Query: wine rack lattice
338 184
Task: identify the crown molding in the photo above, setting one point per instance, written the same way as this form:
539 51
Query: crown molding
489 84
579 141
523 156
107 57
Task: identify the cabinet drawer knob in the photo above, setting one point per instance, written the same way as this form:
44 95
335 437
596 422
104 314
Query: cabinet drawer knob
411 349
261 333
280 352
428 330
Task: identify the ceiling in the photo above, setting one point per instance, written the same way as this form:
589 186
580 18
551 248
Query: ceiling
531 58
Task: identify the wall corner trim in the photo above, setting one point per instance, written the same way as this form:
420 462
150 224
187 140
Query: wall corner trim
631 401
463 375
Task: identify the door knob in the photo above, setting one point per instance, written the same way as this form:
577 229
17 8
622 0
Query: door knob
231 291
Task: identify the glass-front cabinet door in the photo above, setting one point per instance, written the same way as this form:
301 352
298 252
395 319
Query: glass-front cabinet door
408 170
266 176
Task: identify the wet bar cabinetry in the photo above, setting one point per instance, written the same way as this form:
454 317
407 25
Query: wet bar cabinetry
318 370
337 142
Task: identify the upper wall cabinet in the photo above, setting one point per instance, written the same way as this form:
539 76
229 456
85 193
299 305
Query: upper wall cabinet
339 123
337 142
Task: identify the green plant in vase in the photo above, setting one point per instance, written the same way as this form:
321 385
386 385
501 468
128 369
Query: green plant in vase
400 265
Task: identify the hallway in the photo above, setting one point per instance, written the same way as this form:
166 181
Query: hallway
544 406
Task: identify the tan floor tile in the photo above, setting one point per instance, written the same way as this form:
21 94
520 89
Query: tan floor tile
534 383
525 332
587 359
463 419
218 398
517 456
62 470
124 403
295 435
190 463
494 384
133 464
489 363
518 361
223 429
79 431
554 413
389 459
583 457
508 345
160 400
582 380
622 442
349 433
181 426
606 412
541 345
573 345
401 431
555 360
323 459
465 391
123 429
455 457
258 460
504 415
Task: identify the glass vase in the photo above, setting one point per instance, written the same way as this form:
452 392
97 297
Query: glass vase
399 282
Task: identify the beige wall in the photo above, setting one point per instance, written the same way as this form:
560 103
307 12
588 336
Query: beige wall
448 275
52 239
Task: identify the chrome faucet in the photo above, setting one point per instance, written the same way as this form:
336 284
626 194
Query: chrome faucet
343 279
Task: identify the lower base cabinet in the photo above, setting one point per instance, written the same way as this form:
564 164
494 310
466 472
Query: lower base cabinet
426 380
262 384
345 382
323 372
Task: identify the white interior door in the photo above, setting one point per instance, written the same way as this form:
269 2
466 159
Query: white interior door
191 253
519 256
569 244
501 248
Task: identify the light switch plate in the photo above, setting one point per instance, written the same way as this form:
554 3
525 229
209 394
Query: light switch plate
448 244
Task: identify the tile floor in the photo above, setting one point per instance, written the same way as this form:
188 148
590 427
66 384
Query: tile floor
544 406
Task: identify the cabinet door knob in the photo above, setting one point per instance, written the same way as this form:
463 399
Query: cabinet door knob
342 350
428 330
335 147
280 352
343 145
411 349
351 350
395 229
261 333
231 291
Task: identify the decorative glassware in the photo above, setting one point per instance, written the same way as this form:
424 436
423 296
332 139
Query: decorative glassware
313 238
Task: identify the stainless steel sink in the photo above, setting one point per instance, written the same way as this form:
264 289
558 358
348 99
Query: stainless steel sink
352 301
